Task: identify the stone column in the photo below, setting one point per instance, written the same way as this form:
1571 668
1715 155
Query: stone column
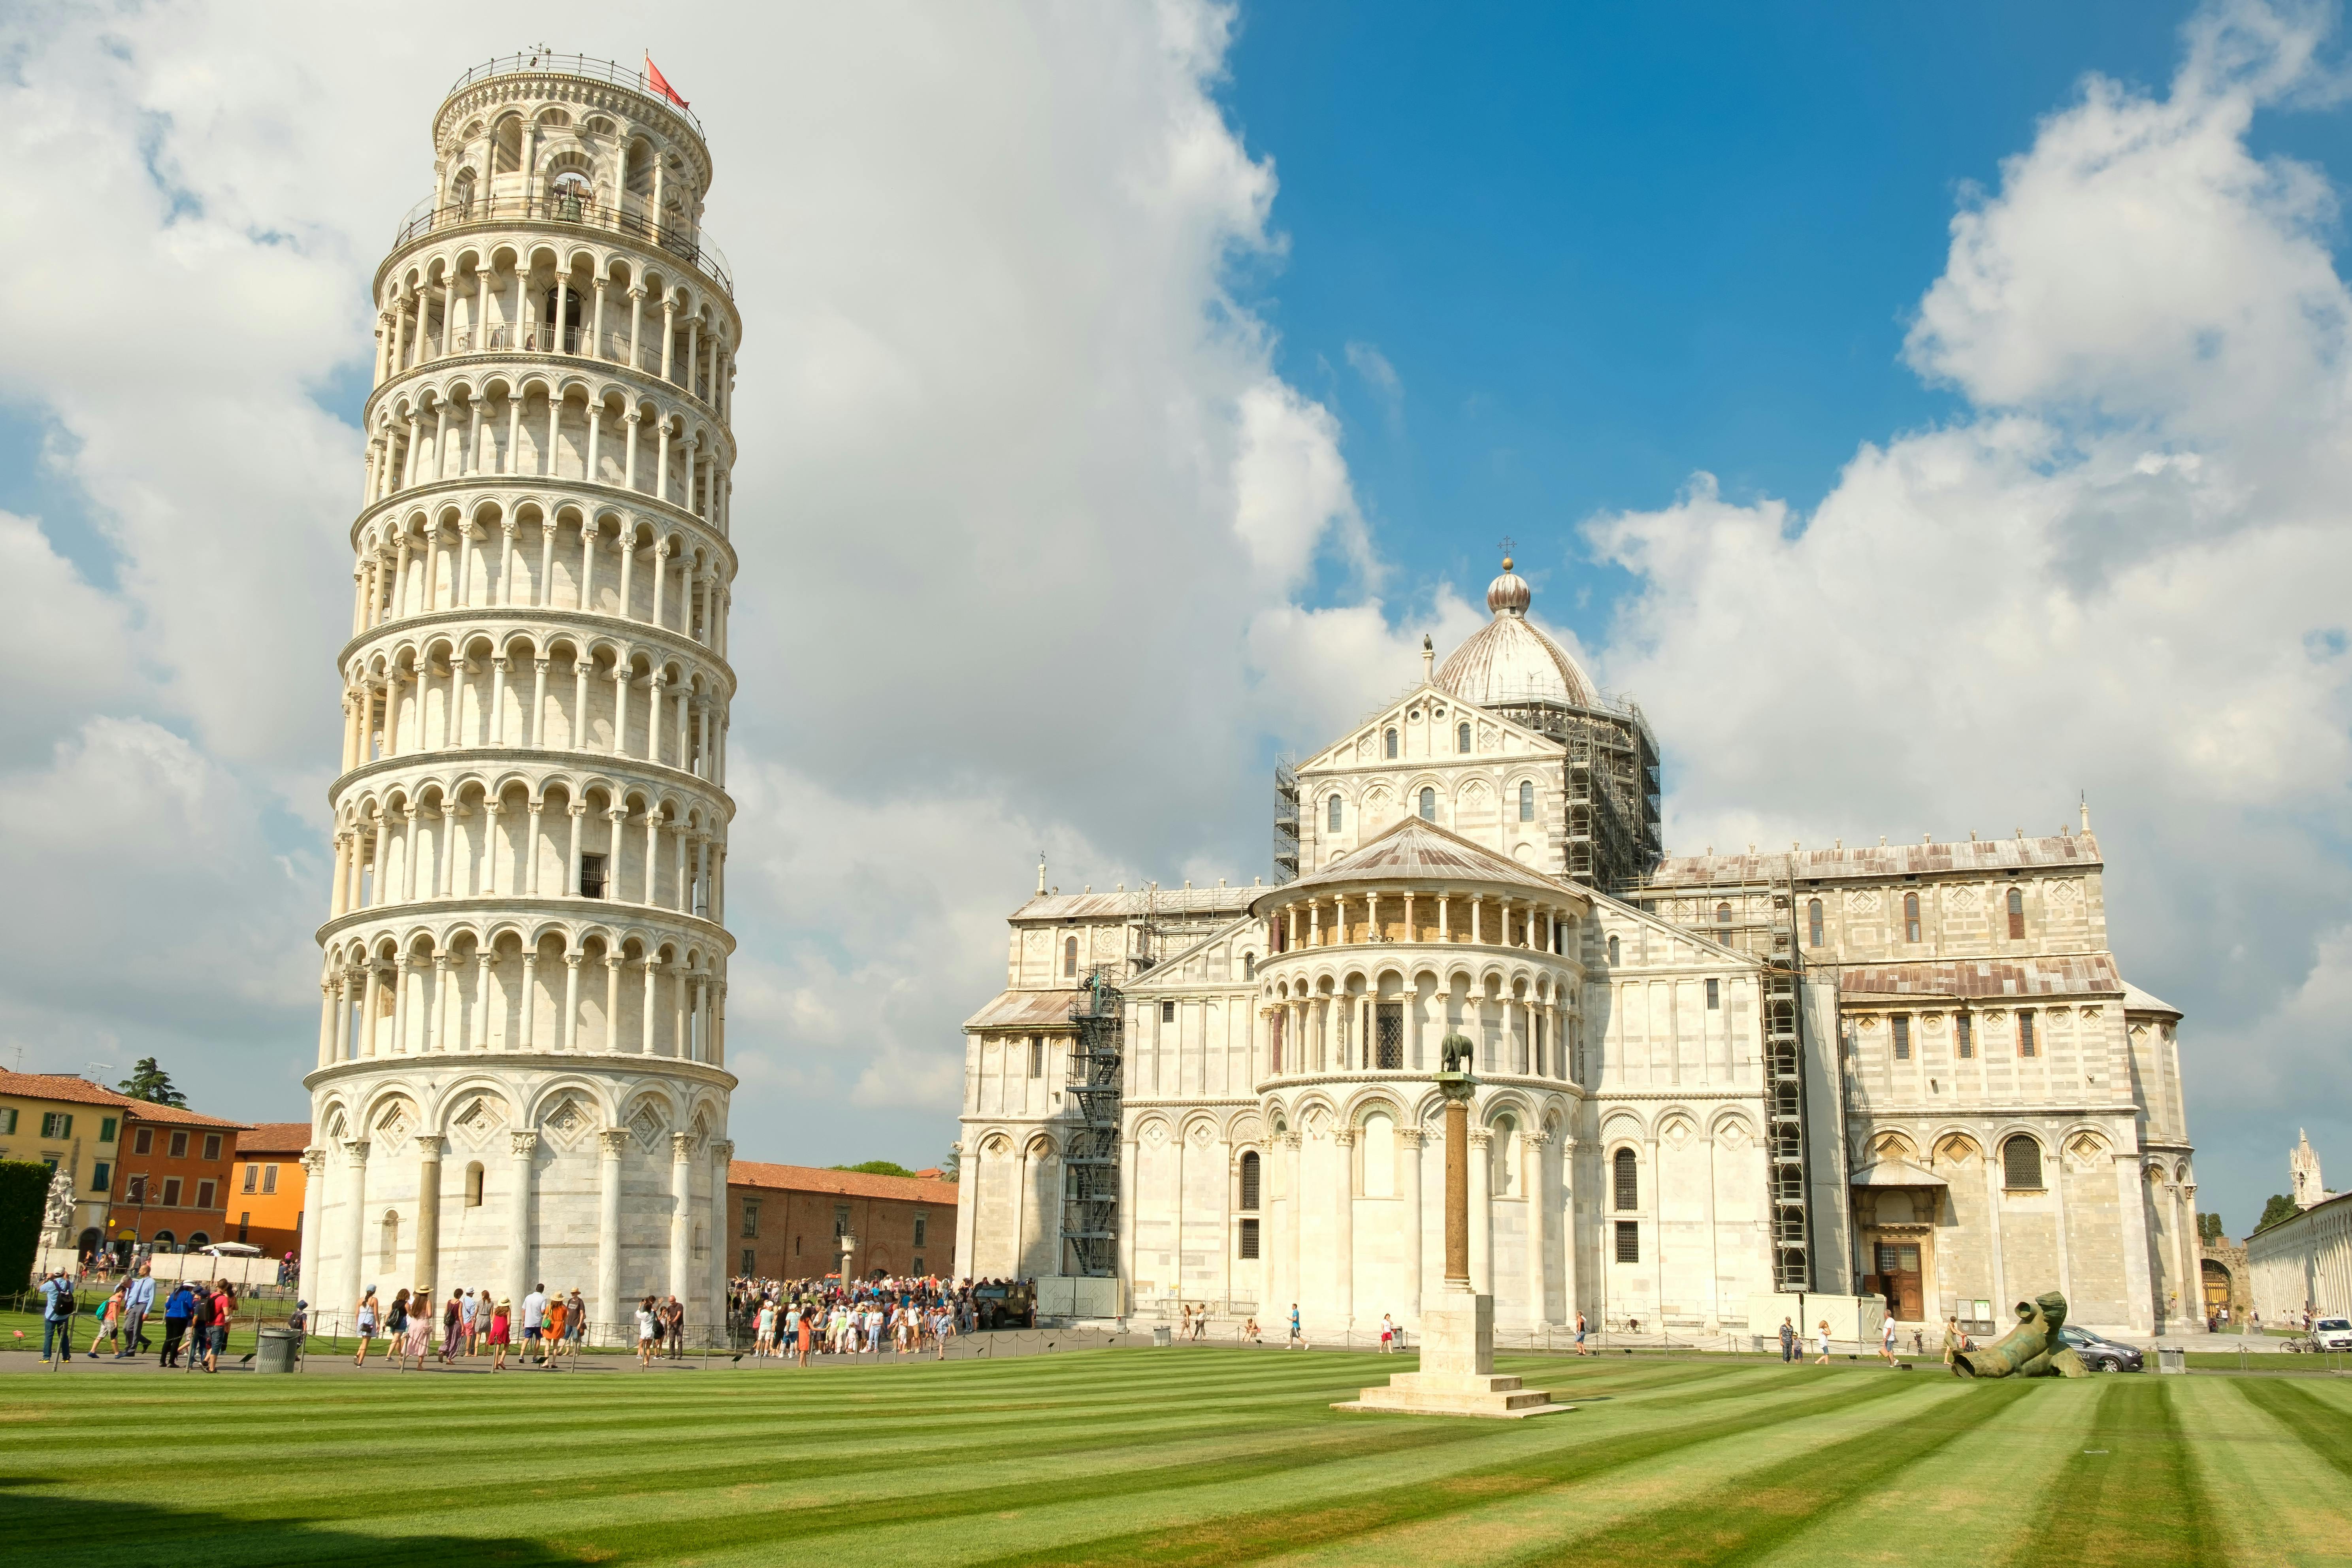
1021 1207
523 1144
681 1216
722 1158
1413 1138
1568 1225
1293 1204
1482 1212
611 1143
1343 1231
314 1204
1457 1194
428 1219
1127 1211
1532 1177
354 1259
1232 1169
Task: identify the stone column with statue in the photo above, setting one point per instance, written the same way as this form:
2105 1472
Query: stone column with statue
1457 1333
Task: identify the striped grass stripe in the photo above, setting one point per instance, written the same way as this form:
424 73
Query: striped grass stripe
1160 1457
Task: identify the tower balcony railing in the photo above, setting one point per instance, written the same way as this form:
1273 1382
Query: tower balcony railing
541 62
567 206
609 347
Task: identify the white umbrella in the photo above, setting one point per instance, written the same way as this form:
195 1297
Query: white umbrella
233 1249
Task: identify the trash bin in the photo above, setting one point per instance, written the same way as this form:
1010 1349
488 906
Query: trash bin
1161 1334
279 1347
2171 1359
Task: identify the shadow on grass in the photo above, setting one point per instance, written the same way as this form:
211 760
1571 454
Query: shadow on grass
67 1532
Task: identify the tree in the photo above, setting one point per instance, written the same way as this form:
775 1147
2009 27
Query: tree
151 1083
875 1168
2279 1209
951 1168
24 1210
2209 1228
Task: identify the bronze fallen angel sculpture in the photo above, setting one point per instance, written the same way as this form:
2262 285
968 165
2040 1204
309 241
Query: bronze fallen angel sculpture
2032 1349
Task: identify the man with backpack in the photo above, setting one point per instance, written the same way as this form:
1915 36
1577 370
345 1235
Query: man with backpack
138 1300
200 1326
176 1310
58 1308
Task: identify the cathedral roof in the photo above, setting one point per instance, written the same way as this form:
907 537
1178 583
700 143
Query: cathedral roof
1026 1010
2070 851
1984 979
1508 660
2138 1001
1416 850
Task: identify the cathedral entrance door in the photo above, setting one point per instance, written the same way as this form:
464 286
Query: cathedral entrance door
1898 1276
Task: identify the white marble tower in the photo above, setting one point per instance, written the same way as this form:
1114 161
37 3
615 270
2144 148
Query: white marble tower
521 1050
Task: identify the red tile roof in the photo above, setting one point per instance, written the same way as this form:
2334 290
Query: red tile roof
847 1183
74 1090
288 1138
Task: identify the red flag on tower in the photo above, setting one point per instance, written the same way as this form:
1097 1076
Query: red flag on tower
661 84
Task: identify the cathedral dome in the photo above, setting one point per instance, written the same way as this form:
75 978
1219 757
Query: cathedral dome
1508 660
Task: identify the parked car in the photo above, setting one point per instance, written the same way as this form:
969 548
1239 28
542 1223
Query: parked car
2103 1354
2332 1334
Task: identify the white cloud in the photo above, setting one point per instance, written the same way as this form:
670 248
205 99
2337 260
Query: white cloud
1378 374
2123 574
1016 467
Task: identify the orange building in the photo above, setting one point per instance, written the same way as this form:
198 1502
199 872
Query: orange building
265 1198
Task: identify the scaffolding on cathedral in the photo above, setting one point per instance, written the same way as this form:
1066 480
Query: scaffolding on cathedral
1090 1169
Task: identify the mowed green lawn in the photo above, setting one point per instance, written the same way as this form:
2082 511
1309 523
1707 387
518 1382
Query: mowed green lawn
1173 1455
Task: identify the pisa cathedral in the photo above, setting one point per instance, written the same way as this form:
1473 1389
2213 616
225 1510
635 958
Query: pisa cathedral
522 1039
1907 1070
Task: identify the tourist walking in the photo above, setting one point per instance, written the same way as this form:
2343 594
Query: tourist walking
576 1325
177 1309
802 1333
559 1313
57 1309
1886 1340
501 1331
1297 1339
453 1326
109 1324
224 1314
534 1313
1951 1340
138 1300
200 1326
1823 1341
417 1339
1582 1348
1787 1341
649 1327
1388 1334
395 1324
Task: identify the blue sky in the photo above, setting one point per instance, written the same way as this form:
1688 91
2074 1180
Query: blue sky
1166 373
1603 246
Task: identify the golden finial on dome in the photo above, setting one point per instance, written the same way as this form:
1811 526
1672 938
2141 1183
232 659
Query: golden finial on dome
1507 564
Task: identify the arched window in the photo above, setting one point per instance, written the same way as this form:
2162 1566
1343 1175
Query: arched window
1813 922
2025 1031
507 156
1249 966
1429 805
2017 914
1910 917
164 1241
1723 922
388 1243
198 1238
1526 800
1505 1151
1249 1182
1391 743
1612 951
474 1185
1069 958
1331 813
1462 738
1627 1180
2020 1164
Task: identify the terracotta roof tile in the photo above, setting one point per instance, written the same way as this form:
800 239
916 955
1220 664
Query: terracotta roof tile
75 1090
274 1138
849 1183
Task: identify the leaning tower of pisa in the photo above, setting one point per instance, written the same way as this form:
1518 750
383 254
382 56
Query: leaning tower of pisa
522 1039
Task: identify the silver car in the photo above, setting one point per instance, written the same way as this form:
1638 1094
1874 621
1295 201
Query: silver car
2332 1334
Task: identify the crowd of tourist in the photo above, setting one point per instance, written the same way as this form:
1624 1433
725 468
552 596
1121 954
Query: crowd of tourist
795 1319
197 1316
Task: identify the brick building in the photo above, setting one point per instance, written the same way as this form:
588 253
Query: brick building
141 1172
782 1222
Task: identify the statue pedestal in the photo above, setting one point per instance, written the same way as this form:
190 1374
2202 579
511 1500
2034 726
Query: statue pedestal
1457 1369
